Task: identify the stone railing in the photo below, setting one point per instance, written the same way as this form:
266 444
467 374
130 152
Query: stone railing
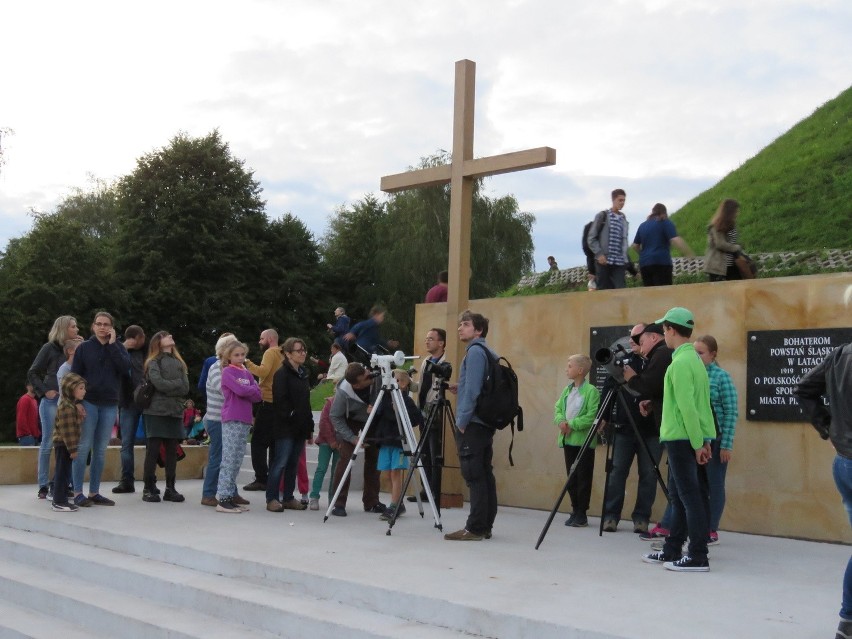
767 263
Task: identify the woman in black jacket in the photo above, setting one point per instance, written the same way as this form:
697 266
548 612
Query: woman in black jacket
292 425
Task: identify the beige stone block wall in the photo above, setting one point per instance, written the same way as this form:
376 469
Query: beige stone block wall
19 464
779 481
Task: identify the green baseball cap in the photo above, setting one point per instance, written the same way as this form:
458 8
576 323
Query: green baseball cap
678 315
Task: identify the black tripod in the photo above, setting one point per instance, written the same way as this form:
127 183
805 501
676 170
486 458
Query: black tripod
603 409
439 413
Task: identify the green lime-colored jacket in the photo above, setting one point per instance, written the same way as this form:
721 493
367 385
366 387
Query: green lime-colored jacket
686 400
583 421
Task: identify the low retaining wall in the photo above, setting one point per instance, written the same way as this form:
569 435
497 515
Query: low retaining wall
19 464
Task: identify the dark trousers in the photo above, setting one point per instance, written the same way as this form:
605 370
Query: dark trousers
431 454
152 451
476 450
371 475
625 447
689 492
261 442
62 474
656 274
285 462
580 486
608 276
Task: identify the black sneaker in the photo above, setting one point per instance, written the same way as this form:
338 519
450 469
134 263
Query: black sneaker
172 495
82 501
688 564
379 508
42 492
227 506
124 487
338 511
150 496
570 521
64 508
844 629
580 520
99 500
658 558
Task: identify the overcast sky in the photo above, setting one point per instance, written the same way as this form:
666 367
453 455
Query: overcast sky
321 99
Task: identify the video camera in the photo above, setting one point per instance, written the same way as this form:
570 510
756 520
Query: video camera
439 370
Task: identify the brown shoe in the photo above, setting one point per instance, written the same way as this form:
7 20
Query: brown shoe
463 535
255 485
209 501
293 504
274 506
240 501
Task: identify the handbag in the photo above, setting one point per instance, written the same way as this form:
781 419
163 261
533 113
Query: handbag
746 267
143 394
161 455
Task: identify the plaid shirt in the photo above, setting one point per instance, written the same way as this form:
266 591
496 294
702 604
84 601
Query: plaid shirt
723 396
66 430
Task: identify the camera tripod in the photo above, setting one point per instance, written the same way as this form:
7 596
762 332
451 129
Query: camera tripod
406 431
439 413
603 409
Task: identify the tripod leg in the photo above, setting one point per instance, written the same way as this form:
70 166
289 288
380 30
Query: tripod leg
610 452
643 443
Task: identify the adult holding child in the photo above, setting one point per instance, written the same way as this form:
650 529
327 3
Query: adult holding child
292 425
723 399
167 372
103 362
42 377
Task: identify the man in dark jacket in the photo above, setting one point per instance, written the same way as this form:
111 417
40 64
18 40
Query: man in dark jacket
128 413
626 446
833 379
103 362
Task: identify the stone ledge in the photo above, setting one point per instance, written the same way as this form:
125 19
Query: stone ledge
19 464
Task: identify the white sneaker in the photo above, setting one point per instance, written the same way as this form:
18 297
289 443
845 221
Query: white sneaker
314 504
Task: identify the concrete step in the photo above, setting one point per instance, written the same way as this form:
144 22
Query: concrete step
126 595
21 622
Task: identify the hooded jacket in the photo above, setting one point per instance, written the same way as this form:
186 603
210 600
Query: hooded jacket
348 413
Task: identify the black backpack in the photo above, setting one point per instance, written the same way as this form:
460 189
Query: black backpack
497 405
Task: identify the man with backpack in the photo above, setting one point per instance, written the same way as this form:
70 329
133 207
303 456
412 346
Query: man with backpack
474 439
607 239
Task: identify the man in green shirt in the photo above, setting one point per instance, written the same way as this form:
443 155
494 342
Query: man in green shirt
686 431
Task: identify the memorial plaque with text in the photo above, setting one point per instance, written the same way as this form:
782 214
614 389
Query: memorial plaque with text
776 362
603 337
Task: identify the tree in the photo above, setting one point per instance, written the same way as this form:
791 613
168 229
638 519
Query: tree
395 251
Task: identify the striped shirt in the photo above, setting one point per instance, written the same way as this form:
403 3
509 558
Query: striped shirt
723 397
615 243
215 399
732 236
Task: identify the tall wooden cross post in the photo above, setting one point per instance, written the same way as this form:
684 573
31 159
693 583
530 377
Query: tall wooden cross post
460 174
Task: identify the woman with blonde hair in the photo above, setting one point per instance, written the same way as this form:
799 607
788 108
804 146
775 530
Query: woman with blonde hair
722 243
167 372
42 377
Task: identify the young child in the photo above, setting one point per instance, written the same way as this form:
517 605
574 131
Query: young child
240 391
66 436
391 457
574 415
326 441
68 348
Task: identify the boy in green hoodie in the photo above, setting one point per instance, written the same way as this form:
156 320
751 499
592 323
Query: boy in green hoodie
574 414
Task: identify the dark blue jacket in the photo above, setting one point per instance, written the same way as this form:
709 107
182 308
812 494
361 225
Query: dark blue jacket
104 367
367 335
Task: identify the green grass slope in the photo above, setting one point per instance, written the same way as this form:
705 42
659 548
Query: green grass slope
796 194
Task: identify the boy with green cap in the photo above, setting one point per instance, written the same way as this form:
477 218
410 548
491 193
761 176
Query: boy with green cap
686 431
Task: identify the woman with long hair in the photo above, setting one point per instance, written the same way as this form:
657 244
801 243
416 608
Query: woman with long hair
167 372
42 376
723 399
722 243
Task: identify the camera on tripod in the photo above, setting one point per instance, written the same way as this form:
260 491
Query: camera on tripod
439 370
614 358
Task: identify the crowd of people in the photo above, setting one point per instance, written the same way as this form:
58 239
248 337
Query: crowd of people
606 247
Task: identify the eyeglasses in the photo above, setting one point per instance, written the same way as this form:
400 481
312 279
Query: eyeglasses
299 350
636 338
103 324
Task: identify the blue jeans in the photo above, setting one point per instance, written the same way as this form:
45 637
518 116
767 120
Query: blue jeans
214 457
625 448
97 427
690 502
285 462
842 468
27 440
128 420
716 471
47 415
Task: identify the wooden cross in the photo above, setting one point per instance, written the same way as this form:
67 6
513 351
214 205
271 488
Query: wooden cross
460 174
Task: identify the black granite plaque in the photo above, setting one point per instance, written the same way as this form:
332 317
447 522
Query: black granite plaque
776 361
603 337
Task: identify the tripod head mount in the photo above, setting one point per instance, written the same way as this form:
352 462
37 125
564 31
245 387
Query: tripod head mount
386 363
